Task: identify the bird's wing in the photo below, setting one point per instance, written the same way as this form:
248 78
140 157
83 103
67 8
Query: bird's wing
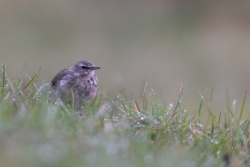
54 82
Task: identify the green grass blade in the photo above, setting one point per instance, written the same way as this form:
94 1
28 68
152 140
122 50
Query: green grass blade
178 103
219 118
3 79
199 111
243 105
31 80
229 109
137 106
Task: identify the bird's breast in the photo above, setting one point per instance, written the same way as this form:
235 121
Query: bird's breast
87 86
87 81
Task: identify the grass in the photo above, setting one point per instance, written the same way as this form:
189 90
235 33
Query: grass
118 131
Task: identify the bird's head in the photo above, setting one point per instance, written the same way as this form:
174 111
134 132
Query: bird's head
85 67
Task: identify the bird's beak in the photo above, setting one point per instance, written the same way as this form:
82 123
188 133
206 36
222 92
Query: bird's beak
95 68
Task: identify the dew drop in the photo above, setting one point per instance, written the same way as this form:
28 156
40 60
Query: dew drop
142 118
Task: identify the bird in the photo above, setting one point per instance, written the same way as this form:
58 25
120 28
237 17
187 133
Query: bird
77 84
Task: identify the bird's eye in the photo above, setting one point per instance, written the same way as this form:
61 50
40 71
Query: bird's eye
84 67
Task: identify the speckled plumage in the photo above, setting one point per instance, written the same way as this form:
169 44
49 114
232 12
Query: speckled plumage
76 84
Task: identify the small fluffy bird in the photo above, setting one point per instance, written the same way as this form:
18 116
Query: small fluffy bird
77 84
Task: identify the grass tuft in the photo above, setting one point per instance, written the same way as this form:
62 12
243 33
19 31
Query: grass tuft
36 131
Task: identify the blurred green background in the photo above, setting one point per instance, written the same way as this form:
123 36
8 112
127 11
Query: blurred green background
202 44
